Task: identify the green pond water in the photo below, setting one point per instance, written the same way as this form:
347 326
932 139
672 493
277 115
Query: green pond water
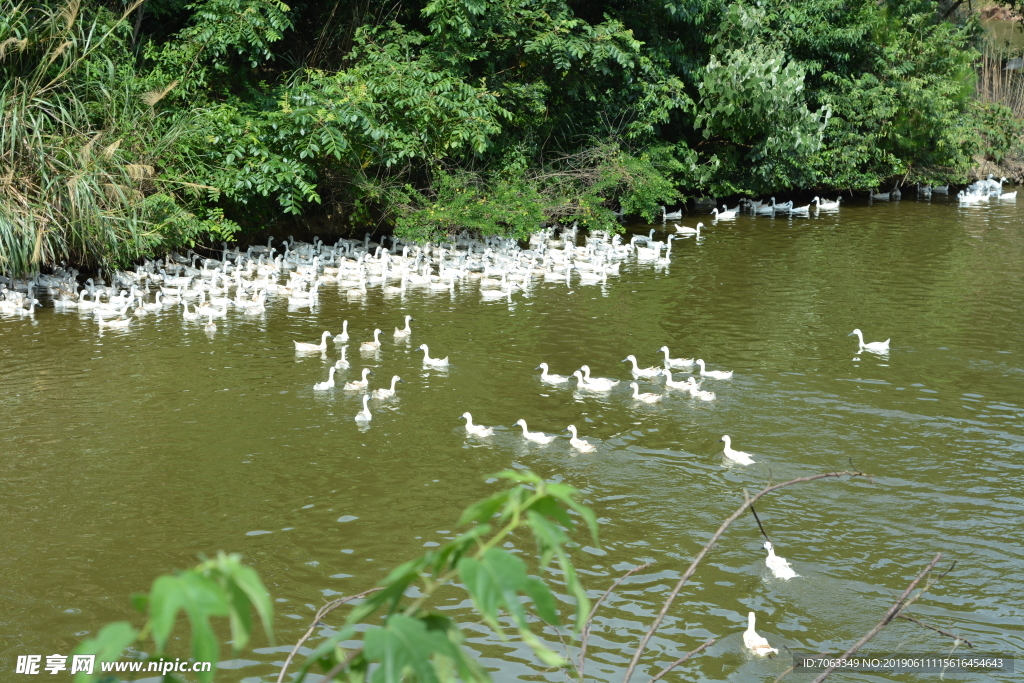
129 454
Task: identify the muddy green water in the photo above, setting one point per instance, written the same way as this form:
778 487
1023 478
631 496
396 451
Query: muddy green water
127 455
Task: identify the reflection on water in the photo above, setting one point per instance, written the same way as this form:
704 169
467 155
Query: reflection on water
129 453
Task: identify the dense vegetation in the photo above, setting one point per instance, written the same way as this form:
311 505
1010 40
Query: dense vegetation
131 127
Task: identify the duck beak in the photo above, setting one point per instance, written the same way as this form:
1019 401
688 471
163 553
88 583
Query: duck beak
537 368
851 334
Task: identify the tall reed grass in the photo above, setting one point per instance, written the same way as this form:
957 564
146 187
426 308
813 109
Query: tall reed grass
77 147
998 85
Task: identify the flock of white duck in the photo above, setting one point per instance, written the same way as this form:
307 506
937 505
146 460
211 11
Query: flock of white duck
497 265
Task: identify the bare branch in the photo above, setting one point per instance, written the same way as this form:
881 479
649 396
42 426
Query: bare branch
707 548
682 659
590 617
901 603
936 629
321 613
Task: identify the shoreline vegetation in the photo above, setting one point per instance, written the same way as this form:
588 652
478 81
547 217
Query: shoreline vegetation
134 127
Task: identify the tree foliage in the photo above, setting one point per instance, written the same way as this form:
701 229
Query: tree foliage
230 114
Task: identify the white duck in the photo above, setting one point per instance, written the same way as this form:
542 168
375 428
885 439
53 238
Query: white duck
726 214
641 372
582 445
382 393
779 566
342 363
365 415
476 430
356 385
827 205
329 384
646 398
678 363
545 376
713 374
736 456
190 315
436 362
672 384
371 345
406 332
598 380
322 346
686 230
755 643
873 347
536 437
343 337
598 384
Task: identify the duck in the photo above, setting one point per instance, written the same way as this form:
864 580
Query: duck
358 384
342 363
677 363
322 346
476 430
536 437
595 383
381 394
585 369
726 214
873 347
582 445
406 332
827 205
755 643
1007 196
671 215
641 372
646 398
714 374
436 362
371 345
329 384
343 337
545 376
210 326
364 415
187 314
672 384
734 455
779 566
801 210
686 230
702 395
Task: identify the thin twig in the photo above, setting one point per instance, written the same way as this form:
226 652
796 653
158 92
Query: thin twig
339 667
707 548
784 674
901 603
590 617
321 613
759 525
682 659
936 629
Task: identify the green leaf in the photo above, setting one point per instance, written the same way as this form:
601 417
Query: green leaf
108 645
